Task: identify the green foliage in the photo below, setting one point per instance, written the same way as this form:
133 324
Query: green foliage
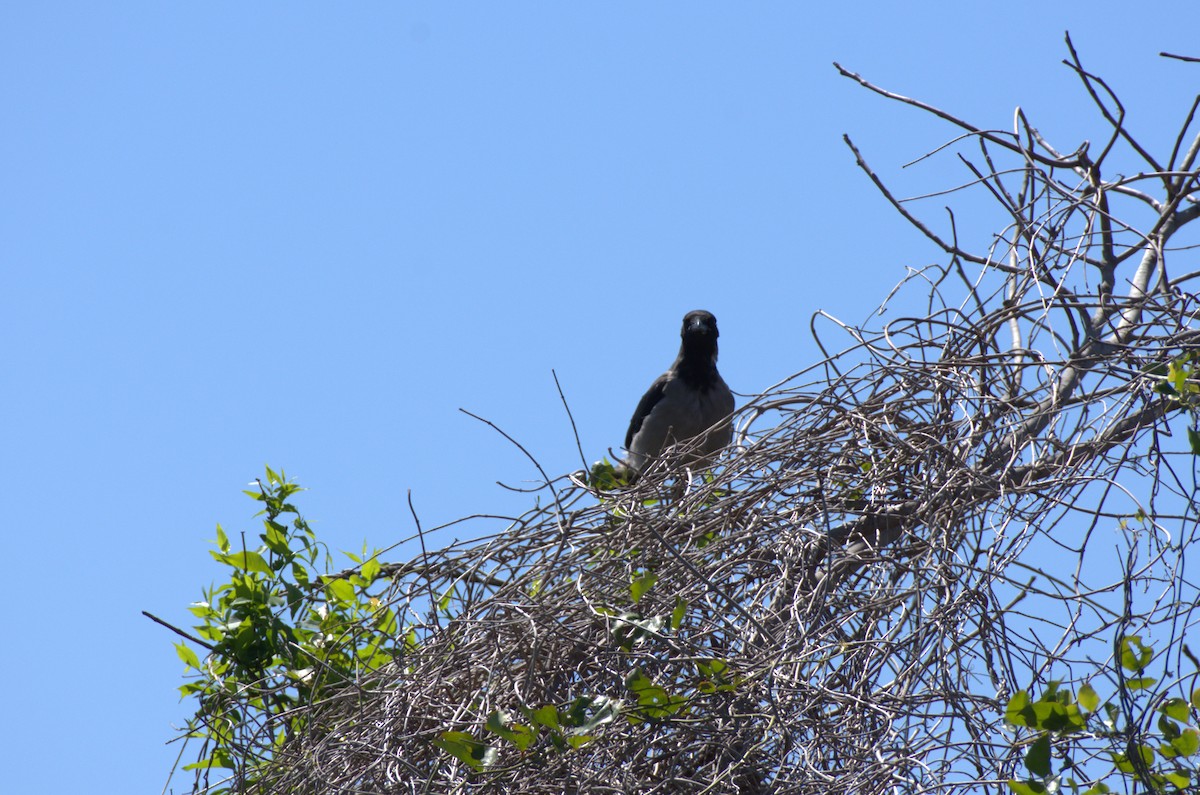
642 582
466 748
1181 381
607 477
545 729
282 632
1162 761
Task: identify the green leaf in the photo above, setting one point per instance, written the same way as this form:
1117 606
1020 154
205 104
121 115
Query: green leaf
1125 765
605 477
222 540
680 612
1026 787
1140 682
219 758
1175 708
642 583
1051 716
466 748
501 723
370 570
1135 655
1176 375
444 602
1088 698
715 676
1196 698
187 655
247 561
498 721
1187 743
386 622
1180 779
1072 720
601 710
1037 758
637 680
1051 693
1168 728
655 702
340 590
202 610
546 715
276 538
192 688
1194 440
1019 712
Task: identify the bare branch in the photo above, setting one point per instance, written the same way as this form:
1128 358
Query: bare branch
1090 81
186 635
861 163
995 137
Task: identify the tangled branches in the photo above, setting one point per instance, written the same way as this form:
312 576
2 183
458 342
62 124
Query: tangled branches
953 508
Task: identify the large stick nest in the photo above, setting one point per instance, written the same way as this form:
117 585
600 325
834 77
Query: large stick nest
905 534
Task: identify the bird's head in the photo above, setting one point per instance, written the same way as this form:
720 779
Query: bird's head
699 324
699 339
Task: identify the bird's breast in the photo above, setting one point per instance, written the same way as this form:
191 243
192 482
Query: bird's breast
685 412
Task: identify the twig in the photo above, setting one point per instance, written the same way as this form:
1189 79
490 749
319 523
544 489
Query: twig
1188 58
545 478
180 632
571 417
862 163
433 602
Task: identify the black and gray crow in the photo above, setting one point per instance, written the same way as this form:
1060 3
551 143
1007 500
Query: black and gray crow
689 400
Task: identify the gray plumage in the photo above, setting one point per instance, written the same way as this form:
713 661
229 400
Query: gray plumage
689 400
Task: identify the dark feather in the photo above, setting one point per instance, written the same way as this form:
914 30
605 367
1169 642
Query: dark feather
646 405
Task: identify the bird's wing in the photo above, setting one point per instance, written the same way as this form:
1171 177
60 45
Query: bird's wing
646 405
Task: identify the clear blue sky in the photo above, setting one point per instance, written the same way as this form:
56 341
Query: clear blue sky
304 234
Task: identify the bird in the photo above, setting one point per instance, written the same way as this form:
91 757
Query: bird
689 401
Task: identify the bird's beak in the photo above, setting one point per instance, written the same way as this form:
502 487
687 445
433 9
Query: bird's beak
697 325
